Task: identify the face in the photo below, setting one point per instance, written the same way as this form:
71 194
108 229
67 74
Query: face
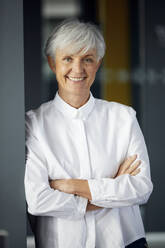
75 73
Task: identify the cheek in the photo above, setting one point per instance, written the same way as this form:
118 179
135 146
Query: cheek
61 69
92 72
61 74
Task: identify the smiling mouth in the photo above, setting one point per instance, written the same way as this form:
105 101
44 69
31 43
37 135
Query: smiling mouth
76 79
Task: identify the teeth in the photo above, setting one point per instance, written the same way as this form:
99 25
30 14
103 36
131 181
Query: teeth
76 78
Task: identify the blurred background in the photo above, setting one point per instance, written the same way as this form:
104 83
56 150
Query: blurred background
132 73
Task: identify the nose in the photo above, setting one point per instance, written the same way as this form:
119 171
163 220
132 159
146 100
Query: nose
78 67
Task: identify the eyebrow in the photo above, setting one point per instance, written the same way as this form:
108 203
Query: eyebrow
72 55
89 55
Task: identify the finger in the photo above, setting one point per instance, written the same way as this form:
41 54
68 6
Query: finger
133 167
131 159
127 163
135 172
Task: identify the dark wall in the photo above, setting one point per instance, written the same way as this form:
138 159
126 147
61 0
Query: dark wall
12 200
155 109
148 55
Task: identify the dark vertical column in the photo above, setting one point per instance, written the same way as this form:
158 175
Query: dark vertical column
12 155
155 109
148 51
32 60
32 53
89 10
135 54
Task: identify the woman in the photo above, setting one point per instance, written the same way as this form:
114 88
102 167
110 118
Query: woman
87 168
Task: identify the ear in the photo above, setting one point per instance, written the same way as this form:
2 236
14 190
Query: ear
51 63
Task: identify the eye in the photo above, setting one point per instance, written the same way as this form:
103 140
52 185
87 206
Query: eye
67 59
88 60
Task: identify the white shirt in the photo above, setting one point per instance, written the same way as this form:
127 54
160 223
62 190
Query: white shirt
87 143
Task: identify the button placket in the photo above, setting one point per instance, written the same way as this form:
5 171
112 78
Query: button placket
85 167
85 172
90 226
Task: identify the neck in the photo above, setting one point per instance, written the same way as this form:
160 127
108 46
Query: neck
75 101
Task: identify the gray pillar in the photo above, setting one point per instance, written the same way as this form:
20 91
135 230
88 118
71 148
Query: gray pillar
12 154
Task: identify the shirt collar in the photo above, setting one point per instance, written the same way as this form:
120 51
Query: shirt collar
71 112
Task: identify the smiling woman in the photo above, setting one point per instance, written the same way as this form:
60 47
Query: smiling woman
75 74
87 167
74 51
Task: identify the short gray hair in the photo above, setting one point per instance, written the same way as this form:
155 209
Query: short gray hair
84 36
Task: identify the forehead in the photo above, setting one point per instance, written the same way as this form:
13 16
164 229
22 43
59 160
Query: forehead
70 51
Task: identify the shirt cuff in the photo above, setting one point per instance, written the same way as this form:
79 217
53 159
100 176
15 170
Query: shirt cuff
101 189
82 205
94 189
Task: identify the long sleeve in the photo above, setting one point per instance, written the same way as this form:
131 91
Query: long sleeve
41 199
125 190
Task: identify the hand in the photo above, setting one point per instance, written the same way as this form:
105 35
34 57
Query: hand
91 207
64 185
72 186
129 167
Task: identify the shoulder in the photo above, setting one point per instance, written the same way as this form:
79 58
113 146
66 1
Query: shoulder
36 115
115 108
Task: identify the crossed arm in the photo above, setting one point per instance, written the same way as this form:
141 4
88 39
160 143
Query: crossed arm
80 187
